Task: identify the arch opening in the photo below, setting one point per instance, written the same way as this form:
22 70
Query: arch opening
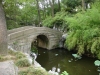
40 41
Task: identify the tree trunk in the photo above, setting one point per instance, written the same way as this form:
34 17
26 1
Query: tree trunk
59 5
44 9
44 12
83 5
39 16
52 8
3 32
47 7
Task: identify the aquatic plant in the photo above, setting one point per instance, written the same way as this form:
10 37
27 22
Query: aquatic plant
76 56
97 63
64 73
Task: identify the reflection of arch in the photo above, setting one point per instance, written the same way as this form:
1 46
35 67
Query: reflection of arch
41 41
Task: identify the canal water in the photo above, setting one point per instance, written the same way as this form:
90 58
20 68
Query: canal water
63 60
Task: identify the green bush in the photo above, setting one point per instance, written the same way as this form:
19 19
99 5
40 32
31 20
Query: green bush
11 24
58 20
34 49
23 62
84 35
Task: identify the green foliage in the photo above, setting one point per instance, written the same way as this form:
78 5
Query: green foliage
33 71
12 24
71 3
58 21
34 49
64 73
84 32
23 62
17 16
48 22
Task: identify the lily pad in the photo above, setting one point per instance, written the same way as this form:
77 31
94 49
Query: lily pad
97 63
56 54
64 73
76 56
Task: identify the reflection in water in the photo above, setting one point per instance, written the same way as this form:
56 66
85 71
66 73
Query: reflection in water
60 60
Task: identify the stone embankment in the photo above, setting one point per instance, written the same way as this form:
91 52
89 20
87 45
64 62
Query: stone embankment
8 67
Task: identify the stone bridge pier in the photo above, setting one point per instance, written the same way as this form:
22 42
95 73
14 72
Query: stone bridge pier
22 39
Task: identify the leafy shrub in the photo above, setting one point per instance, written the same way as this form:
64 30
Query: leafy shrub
23 62
11 24
84 35
34 49
58 20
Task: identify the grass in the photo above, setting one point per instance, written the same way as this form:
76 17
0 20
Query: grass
33 71
23 62
18 55
2 58
11 52
8 57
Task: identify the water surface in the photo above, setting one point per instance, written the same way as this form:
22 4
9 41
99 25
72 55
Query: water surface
63 59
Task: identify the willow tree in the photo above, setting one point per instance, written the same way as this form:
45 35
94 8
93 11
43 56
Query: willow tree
3 32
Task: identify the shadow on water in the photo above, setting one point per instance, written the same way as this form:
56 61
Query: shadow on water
64 60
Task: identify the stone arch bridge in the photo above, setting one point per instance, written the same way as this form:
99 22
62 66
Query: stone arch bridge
22 39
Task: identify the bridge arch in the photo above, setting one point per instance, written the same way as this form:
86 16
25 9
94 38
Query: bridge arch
41 40
23 38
